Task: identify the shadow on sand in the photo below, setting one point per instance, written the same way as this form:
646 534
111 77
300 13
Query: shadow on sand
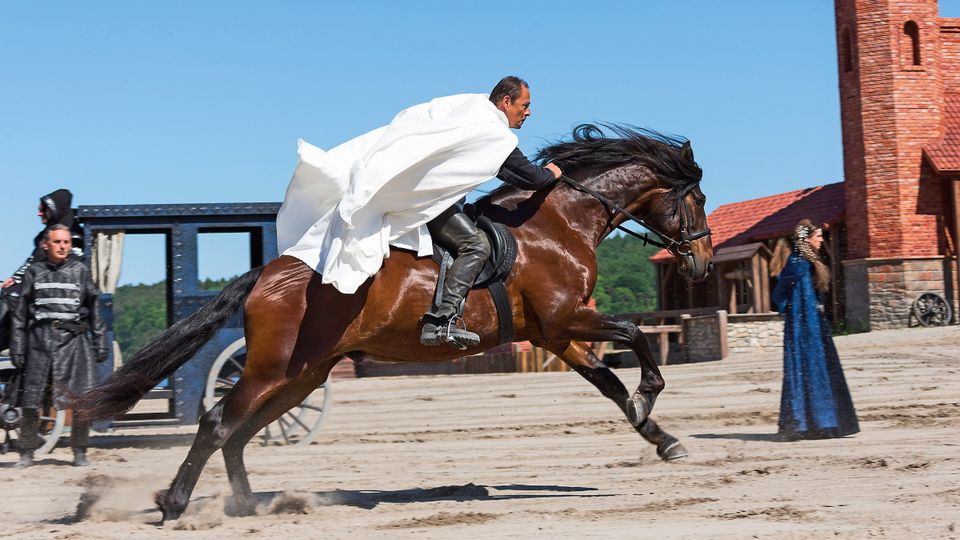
768 437
470 492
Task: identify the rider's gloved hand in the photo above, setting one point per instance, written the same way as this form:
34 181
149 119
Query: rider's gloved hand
18 360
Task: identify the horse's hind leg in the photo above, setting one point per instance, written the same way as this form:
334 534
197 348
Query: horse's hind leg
243 501
582 359
216 427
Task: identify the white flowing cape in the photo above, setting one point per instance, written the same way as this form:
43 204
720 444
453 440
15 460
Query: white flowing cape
344 208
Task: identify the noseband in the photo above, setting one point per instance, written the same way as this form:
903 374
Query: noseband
682 246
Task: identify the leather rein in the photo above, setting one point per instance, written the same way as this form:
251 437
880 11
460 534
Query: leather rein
683 246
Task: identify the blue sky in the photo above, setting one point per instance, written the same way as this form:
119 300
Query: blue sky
172 102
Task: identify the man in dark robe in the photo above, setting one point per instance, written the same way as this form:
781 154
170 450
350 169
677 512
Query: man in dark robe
57 335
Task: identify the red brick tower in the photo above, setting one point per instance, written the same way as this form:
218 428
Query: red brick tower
892 93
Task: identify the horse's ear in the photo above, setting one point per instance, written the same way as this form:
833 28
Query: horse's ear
686 151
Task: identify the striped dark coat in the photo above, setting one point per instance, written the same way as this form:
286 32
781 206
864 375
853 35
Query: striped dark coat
58 329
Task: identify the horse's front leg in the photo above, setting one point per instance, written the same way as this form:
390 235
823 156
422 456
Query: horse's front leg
590 325
582 359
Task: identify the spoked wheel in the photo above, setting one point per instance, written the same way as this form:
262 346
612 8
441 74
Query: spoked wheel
52 420
298 426
931 309
51 428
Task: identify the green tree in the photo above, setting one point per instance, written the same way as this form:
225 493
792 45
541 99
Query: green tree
140 312
139 315
626 281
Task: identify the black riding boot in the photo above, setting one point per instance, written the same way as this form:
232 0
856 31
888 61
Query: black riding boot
29 437
79 440
454 230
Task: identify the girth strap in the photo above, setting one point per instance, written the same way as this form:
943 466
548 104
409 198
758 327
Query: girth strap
501 300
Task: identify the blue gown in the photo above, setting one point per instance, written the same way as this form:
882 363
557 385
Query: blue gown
815 402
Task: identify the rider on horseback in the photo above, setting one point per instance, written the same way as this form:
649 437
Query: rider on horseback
401 185
454 230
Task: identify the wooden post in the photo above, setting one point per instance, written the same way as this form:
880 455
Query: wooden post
664 339
732 290
765 285
721 285
722 330
684 321
755 273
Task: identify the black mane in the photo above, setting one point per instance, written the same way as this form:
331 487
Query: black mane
592 146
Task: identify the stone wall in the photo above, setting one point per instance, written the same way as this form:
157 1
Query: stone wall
716 336
880 292
755 333
703 337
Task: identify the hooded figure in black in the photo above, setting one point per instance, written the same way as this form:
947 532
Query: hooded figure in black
54 210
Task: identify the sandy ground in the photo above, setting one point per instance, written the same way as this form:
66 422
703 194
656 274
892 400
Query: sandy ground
545 456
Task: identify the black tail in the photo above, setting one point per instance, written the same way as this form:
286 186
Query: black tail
162 356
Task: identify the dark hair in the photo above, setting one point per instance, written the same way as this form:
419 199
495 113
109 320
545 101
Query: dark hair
508 86
57 227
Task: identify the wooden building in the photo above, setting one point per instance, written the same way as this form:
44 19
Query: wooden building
744 237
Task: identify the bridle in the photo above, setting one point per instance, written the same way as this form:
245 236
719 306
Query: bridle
682 247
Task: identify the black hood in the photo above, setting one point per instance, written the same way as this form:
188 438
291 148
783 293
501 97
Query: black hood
57 205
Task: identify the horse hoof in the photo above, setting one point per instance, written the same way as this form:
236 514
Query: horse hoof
638 408
169 511
241 506
671 449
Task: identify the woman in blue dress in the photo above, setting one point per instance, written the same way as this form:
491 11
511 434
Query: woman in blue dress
815 403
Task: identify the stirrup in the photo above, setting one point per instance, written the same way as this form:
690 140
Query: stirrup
439 332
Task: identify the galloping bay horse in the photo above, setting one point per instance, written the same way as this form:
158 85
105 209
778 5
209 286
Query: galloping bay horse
297 328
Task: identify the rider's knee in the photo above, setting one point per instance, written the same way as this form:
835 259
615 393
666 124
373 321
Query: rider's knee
476 246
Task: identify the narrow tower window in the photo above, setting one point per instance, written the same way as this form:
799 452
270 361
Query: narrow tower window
912 33
846 51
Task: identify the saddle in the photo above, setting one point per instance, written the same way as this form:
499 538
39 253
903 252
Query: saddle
503 253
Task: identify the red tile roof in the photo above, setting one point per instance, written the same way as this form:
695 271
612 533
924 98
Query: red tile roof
945 154
770 217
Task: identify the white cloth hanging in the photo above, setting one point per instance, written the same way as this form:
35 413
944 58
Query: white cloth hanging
344 208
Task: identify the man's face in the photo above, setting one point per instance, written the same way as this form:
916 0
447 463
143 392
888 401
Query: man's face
42 212
58 246
517 110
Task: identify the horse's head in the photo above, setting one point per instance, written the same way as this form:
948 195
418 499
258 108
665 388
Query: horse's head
677 210
645 177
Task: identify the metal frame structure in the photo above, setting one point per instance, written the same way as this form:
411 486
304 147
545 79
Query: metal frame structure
182 224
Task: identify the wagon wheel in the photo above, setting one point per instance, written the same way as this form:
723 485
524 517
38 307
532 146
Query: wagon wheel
298 426
51 420
931 309
51 427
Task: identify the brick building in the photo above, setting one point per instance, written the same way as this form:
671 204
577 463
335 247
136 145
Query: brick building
892 225
899 71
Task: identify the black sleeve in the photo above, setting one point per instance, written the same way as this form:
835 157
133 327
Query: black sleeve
20 315
519 171
94 317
